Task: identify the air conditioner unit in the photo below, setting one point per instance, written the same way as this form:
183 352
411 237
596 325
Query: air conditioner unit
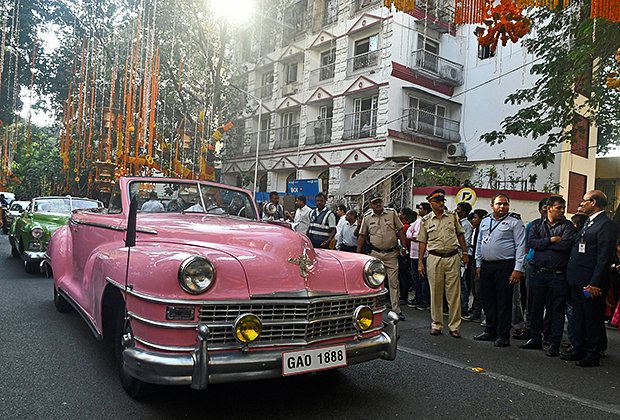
450 73
289 89
455 150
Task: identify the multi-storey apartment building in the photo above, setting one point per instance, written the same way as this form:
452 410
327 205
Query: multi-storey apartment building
349 85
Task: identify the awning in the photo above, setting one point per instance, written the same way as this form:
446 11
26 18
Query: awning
368 178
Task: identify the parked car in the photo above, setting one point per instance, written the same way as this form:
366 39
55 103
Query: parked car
210 293
14 211
30 233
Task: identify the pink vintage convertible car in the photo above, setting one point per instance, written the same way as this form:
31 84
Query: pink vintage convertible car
210 293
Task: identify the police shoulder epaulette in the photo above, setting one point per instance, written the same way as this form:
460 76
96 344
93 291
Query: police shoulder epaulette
446 211
368 212
427 216
515 216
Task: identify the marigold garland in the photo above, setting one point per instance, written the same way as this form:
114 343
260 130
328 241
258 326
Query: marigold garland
400 5
504 23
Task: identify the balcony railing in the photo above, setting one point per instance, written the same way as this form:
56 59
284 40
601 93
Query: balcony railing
447 70
264 92
440 9
322 74
359 5
287 136
417 121
264 141
363 61
319 131
359 125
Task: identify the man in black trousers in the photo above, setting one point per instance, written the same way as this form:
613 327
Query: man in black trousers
588 277
552 239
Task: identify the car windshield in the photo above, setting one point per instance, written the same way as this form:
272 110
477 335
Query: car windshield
63 205
191 197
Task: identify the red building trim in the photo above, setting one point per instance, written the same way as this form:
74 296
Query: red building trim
405 73
416 139
485 193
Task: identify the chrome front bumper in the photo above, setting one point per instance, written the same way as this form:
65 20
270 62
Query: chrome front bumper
201 368
33 256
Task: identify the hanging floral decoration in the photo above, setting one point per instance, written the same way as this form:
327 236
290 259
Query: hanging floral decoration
606 9
505 22
400 5
551 4
471 11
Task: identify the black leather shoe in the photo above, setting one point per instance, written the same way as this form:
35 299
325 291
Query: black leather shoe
502 342
485 336
570 356
531 344
521 334
588 362
552 351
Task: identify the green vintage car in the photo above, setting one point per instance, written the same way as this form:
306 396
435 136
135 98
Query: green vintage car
30 233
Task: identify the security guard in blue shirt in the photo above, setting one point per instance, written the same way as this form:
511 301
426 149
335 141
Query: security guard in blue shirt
500 256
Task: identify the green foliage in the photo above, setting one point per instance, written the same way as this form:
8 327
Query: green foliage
432 176
575 55
37 168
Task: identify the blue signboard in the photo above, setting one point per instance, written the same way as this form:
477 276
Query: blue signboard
308 187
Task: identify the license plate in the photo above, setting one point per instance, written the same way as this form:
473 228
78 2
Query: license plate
303 361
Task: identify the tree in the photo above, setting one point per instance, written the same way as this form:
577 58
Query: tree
37 168
575 55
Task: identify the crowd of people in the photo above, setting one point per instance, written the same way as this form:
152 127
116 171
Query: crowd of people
520 282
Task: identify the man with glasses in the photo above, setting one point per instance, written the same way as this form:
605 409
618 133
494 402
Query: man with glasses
500 255
588 277
552 239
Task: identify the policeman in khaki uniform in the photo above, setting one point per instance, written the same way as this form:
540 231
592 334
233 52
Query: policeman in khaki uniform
383 228
442 235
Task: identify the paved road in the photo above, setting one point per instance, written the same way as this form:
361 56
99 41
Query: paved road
53 368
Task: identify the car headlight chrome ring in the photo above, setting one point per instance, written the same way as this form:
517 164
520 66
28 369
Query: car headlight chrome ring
363 318
374 273
36 232
196 275
247 328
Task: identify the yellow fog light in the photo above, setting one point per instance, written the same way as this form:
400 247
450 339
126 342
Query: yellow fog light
363 318
247 328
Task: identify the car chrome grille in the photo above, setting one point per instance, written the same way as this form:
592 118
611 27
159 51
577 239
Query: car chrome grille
299 322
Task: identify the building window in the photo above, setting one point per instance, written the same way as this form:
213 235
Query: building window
328 64
362 123
577 184
485 52
294 20
266 87
426 117
581 137
366 52
330 14
290 73
428 54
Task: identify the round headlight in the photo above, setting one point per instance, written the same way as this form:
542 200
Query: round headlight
270 209
374 273
36 232
196 275
247 328
362 318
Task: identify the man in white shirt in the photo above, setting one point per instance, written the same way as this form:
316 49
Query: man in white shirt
341 211
422 300
153 205
301 221
346 239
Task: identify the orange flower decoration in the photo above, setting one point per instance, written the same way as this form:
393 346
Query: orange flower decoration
504 23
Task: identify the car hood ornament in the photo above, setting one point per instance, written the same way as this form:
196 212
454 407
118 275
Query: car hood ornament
304 262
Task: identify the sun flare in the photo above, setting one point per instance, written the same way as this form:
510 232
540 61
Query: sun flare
234 11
